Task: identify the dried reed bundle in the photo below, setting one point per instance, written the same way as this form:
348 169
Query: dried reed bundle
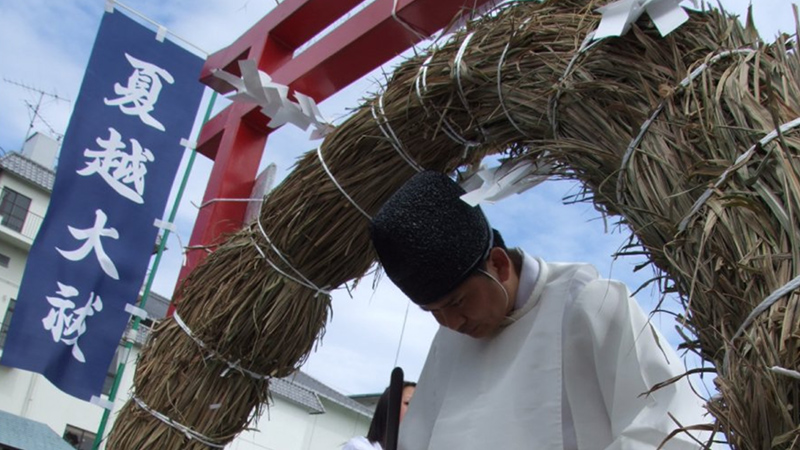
523 81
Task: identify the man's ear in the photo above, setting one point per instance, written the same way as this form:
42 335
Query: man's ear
501 262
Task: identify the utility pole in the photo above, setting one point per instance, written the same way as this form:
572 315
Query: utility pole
35 108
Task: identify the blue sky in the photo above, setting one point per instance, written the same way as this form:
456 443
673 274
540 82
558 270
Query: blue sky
46 45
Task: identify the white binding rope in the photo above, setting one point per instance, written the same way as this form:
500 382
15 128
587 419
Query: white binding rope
585 46
214 354
500 90
282 272
740 161
336 183
457 63
453 134
787 372
422 75
646 125
308 283
188 432
763 306
422 79
229 200
405 24
389 133
461 94
305 281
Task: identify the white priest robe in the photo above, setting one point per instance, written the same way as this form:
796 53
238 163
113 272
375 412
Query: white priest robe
566 372
361 443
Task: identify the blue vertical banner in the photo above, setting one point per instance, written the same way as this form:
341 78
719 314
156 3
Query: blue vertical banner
122 149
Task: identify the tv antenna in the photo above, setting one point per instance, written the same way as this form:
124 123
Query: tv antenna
37 107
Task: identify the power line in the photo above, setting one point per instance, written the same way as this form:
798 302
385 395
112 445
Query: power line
402 332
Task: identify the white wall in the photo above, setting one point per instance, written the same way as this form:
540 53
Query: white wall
337 426
11 276
31 396
287 426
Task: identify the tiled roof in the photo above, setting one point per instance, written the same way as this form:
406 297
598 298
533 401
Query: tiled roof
28 170
26 434
283 387
305 390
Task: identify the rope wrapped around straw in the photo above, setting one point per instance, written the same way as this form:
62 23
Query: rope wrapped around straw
523 81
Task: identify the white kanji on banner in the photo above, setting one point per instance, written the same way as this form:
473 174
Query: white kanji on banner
92 237
139 97
124 172
65 322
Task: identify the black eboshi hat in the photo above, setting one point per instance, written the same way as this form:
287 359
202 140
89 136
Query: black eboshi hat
428 239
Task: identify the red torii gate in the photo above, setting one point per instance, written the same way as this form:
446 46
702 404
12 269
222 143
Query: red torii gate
235 138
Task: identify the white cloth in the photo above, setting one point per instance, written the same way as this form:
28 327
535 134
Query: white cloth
528 276
565 373
361 443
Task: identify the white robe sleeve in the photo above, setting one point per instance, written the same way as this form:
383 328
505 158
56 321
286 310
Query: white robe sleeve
612 356
360 443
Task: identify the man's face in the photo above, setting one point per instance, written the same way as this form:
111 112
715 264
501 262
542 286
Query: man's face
476 307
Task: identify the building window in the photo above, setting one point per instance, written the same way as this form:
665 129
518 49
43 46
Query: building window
14 208
4 260
6 322
78 438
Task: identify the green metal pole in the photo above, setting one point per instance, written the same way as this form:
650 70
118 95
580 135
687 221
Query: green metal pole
148 285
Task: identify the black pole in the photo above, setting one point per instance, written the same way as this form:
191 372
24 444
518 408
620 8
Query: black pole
393 416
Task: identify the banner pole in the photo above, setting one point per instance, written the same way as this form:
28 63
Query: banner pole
148 285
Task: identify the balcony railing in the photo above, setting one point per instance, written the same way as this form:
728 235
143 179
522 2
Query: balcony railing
29 228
